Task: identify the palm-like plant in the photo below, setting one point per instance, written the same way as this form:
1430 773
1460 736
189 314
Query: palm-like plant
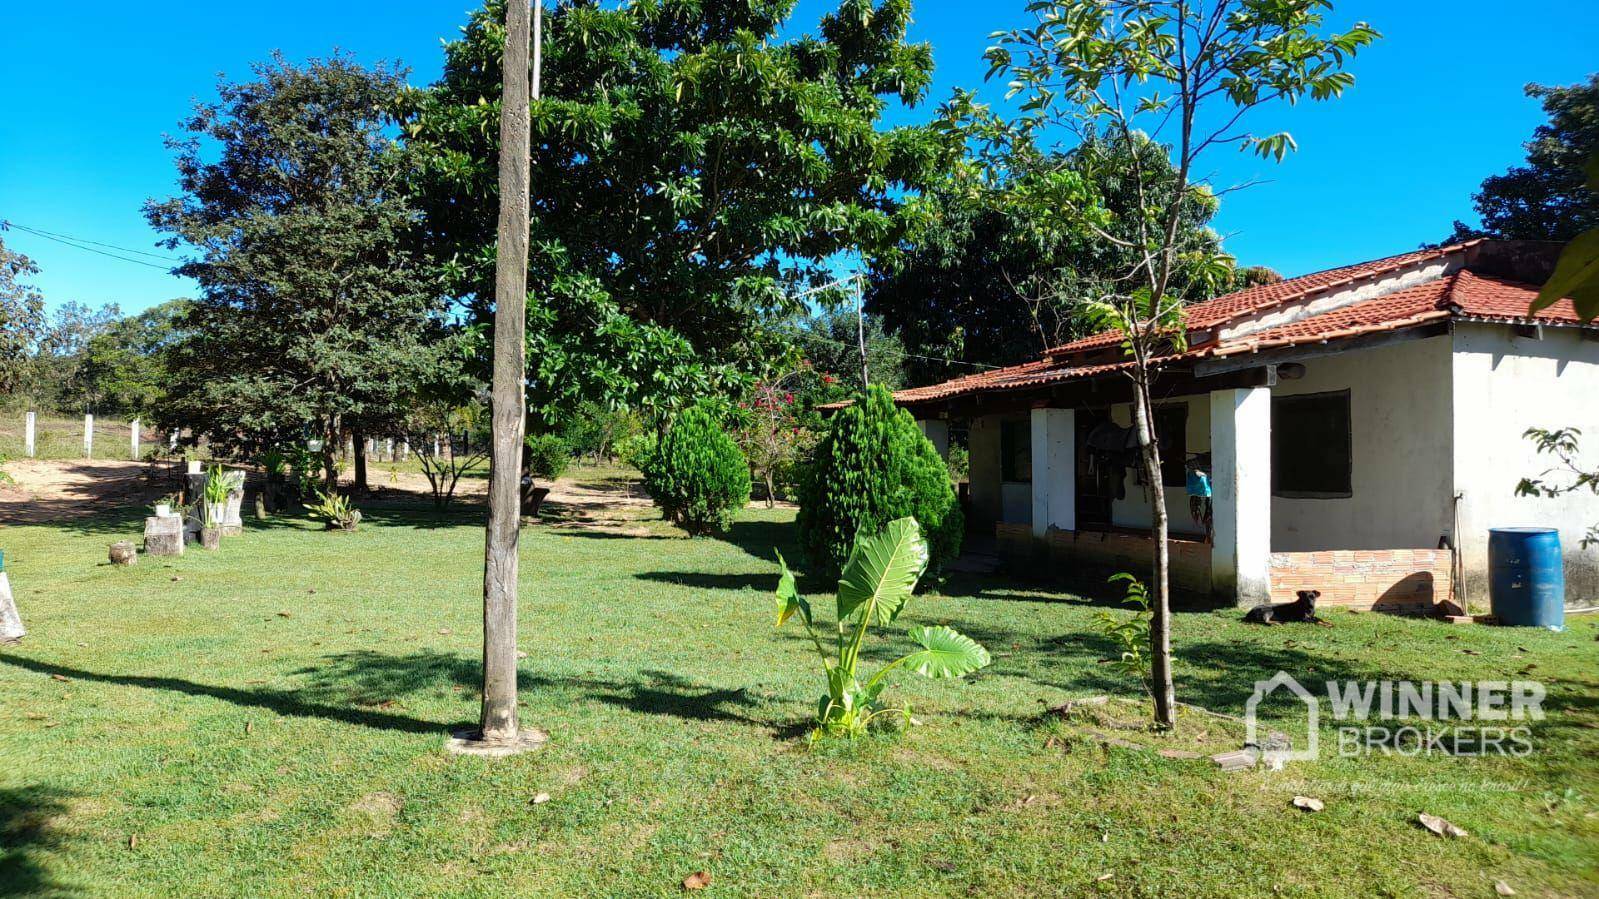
878 580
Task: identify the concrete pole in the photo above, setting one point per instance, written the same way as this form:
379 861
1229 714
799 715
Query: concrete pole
27 438
133 439
88 436
1240 444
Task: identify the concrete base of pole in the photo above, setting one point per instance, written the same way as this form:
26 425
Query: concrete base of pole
471 742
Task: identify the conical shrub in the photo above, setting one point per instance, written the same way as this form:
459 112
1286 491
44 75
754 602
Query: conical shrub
875 465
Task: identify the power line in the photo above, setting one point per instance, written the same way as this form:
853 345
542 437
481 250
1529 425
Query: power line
77 243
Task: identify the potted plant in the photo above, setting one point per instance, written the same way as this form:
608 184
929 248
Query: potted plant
213 504
163 507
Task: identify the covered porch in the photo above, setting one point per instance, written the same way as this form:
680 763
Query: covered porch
1285 510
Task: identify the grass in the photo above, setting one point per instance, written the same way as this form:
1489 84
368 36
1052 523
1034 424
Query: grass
270 719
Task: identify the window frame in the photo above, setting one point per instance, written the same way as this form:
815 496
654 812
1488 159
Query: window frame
1349 446
1174 453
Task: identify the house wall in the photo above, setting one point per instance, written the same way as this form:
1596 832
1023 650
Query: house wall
1402 443
982 447
1503 385
1132 510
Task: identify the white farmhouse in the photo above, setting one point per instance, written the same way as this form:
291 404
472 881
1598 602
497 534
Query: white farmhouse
1360 429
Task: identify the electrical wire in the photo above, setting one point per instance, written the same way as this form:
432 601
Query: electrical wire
77 243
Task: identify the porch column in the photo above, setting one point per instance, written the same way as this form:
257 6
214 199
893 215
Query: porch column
1054 470
1240 445
936 430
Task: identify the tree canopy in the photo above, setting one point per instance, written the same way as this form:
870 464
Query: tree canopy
21 316
1547 197
986 279
690 167
312 316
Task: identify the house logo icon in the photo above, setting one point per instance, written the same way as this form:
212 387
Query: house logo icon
1275 755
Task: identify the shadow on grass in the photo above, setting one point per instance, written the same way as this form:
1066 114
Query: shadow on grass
284 702
371 677
27 832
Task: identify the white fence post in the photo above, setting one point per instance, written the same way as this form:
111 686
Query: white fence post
27 438
88 436
133 440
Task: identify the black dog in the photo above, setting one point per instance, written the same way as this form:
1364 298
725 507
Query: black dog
1301 609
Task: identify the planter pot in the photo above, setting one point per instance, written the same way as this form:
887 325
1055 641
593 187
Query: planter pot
211 537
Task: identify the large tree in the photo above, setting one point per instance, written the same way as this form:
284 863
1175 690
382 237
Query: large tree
982 281
312 318
124 365
1547 197
692 166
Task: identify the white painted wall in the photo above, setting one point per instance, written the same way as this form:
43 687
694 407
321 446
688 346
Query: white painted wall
982 447
1504 384
1402 443
1132 510
936 431
1054 493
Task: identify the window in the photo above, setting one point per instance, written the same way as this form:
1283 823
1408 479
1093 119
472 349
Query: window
1171 429
1016 451
1310 446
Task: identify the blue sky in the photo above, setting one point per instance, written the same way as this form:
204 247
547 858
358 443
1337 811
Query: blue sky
1437 106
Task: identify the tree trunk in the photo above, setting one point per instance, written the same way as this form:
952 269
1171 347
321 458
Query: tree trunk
1159 590
771 491
359 483
499 720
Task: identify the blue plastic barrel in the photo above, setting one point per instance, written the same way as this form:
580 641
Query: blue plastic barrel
1526 578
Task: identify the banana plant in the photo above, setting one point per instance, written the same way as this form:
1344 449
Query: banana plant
877 582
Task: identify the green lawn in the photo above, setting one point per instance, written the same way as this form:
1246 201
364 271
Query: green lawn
270 719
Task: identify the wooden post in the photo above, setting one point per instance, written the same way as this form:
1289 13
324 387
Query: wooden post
27 439
500 733
133 439
88 436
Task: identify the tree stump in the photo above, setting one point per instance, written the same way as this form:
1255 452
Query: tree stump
163 536
123 553
11 629
210 537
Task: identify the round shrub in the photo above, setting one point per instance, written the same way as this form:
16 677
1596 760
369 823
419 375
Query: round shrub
548 455
872 466
698 475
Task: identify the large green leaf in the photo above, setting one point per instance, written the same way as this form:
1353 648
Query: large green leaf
1576 275
945 652
788 599
882 571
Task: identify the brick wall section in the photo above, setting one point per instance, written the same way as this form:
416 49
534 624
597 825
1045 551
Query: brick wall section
1391 580
1190 559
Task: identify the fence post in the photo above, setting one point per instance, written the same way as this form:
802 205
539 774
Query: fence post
133 441
27 438
88 436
